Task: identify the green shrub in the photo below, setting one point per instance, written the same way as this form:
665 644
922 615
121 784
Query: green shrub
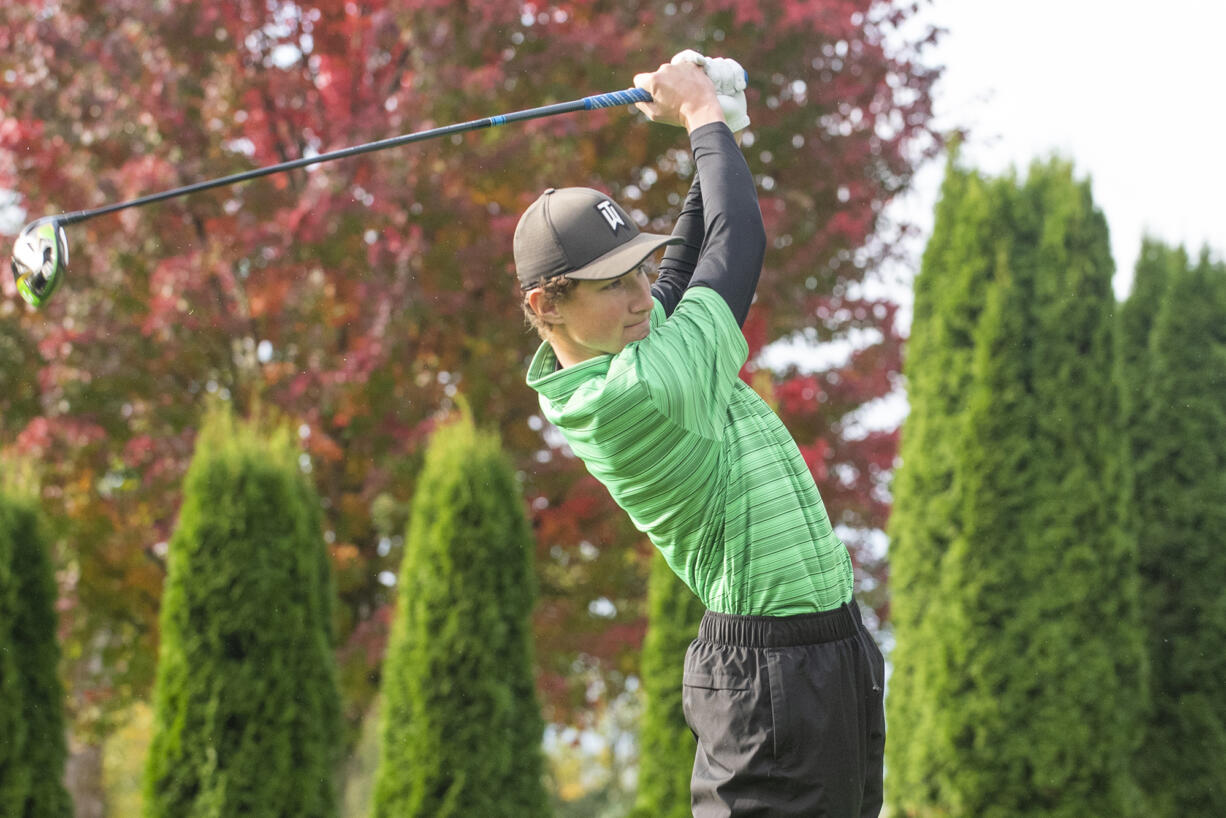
462 729
1030 689
32 763
14 774
666 744
246 706
927 516
1176 376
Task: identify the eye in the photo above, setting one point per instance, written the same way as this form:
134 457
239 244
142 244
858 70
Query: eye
614 284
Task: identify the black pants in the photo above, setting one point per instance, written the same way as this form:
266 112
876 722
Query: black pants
788 715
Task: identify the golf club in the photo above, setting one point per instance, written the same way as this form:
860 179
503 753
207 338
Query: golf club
40 253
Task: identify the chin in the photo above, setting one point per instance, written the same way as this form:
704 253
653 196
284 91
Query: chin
637 333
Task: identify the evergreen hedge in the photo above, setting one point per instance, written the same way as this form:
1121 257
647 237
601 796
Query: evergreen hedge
966 242
14 773
37 653
1031 686
666 744
1156 267
462 728
246 703
1177 374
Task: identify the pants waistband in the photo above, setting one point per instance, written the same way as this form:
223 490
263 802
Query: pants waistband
781 631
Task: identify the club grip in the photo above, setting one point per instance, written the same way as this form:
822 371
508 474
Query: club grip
614 99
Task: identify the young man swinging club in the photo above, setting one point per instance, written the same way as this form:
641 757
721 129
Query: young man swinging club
783 685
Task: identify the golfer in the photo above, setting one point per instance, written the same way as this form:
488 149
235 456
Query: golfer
783 685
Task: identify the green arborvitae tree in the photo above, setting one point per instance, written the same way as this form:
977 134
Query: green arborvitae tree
246 701
14 773
1034 668
1178 447
1157 266
462 728
37 653
666 744
1042 638
949 293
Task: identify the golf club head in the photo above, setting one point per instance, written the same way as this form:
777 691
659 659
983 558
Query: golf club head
40 259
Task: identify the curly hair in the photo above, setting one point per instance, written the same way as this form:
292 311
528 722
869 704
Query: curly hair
555 290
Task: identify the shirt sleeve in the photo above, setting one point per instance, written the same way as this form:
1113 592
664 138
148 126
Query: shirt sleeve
734 239
690 363
677 266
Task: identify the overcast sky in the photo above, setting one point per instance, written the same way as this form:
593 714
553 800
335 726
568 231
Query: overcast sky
1131 92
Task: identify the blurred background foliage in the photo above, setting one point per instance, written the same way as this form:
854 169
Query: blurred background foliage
362 297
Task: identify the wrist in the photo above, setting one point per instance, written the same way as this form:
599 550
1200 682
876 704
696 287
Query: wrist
704 113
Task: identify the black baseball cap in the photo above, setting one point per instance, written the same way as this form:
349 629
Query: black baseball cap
579 233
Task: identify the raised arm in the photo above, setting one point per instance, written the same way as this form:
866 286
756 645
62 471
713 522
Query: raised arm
734 240
677 266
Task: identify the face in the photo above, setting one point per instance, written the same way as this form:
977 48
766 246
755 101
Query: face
600 317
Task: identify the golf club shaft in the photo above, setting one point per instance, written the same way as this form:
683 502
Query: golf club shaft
609 100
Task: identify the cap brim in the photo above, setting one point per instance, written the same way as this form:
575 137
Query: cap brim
623 258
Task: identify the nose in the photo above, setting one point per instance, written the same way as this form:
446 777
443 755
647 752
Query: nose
642 294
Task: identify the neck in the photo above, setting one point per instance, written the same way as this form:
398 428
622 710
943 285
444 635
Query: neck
569 354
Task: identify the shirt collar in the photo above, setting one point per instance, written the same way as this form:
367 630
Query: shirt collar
556 384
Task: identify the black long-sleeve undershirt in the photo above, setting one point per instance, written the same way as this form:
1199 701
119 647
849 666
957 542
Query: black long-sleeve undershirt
677 266
721 224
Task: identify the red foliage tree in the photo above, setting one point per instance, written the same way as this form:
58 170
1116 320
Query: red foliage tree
360 297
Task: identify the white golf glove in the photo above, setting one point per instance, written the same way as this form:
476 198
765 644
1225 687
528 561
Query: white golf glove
728 77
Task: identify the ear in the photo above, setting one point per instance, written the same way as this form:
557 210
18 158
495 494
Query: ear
545 309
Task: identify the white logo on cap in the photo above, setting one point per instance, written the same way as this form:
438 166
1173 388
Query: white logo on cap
610 215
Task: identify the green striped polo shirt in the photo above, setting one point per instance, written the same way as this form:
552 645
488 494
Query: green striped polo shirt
701 463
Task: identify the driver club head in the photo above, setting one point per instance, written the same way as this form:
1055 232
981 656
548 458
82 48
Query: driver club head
40 259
